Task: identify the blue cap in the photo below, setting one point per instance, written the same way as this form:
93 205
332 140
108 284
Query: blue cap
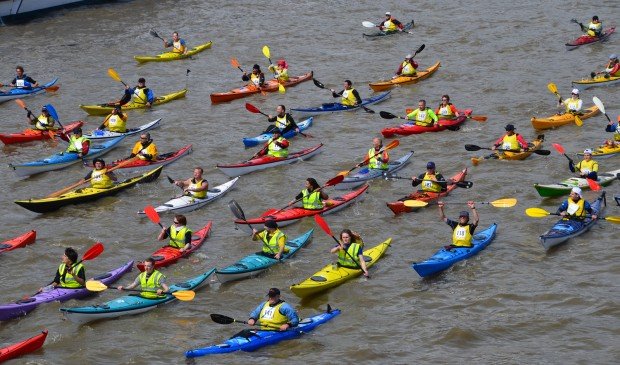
464 213
430 165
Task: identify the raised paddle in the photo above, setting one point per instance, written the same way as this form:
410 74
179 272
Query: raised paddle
473 147
554 89
114 75
460 184
184 295
152 214
267 53
93 252
236 210
252 109
22 104
50 108
154 34
170 180
222 319
499 203
540 212
331 182
235 63
320 85
591 183
391 145
323 224
601 107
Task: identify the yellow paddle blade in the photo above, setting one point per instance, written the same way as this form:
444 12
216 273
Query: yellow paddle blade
504 203
536 212
113 74
94 285
551 86
266 52
475 161
415 203
612 219
184 295
281 89
578 121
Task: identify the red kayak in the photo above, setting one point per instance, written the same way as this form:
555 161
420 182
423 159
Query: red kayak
17 242
163 159
270 86
169 255
426 196
441 125
587 39
29 135
24 347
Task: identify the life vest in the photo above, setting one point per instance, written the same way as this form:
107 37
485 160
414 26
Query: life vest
66 279
140 96
573 105
150 149
270 317
428 184
152 283
281 73
22 83
275 150
407 69
281 122
178 47
594 29
311 200
100 179
345 260
75 144
348 99
617 133
116 123
373 162
44 123
422 117
177 237
510 142
196 185
255 79
576 209
586 167
389 25
461 236
445 111
271 246
610 69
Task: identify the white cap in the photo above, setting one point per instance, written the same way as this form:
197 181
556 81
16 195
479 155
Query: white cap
613 56
576 190
587 151
409 56
388 13
575 91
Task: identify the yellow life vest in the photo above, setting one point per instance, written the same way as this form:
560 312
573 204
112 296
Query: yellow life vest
348 99
177 47
281 122
281 73
446 111
100 179
617 133
461 236
66 279
44 123
271 246
586 167
510 142
75 144
422 117
151 149
271 317
255 79
351 260
116 123
389 25
139 96
177 237
311 200
373 162
197 185
275 150
407 69
428 184
573 105
594 28
152 283
576 210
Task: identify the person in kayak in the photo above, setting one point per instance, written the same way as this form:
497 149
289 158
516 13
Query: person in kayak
44 122
615 129
116 121
447 110
573 104
151 280
274 313
277 146
141 94
195 187
611 70
594 29
69 275
423 116
511 141
256 78
431 180
462 230
375 158
350 96
100 177
180 236
78 144
283 121
274 241
312 197
407 67
178 45
575 207
390 24
145 148
280 70
349 250
22 81
586 168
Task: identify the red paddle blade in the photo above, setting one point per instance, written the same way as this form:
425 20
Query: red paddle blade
234 62
321 223
150 212
392 144
335 180
251 108
93 252
593 185
558 147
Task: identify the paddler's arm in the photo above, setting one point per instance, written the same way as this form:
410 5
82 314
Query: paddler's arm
474 212
498 142
417 180
522 142
358 100
588 208
360 256
135 283
289 312
105 122
432 114
442 216
336 94
562 208
163 234
255 314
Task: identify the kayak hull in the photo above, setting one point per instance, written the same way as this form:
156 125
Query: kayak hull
23 347
380 33
366 174
22 93
562 119
173 56
407 129
263 138
106 108
514 156
603 152
564 187
29 135
141 166
585 84
329 108
99 135
404 80
270 86
18 242
587 39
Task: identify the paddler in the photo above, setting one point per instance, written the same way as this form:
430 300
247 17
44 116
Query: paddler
349 250
195 187
431 180
375 158
575 207
141 94
573 104
22 81
145 148
407 67
615 129
69 275
116 121
280 70
511 141
177 44
462 230
586 168
423 116
282 120
151 280
277 146
180 236
594 29
100 177
78 144
44 122
350 96
256 78
390 24
312 197
274 313
272 238
446 110
612 69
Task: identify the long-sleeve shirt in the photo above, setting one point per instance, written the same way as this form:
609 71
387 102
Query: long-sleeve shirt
439 179
355 94
586 206
150 97
285 310
520 139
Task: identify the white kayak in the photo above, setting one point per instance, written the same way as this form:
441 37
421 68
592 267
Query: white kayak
100 135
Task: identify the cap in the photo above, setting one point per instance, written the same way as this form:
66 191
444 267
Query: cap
595 17
43 109
77 130
256 67
509 127
430 165
281 62
409 56
273 292
388 13
99 160
464 213
613 56
141 80
576 190
587 151
271 224
575 91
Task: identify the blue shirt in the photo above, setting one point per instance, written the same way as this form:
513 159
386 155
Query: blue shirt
285 310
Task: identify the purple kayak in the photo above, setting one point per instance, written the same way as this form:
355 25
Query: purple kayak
22 306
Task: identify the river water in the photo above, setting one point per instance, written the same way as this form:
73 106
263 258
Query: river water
513 303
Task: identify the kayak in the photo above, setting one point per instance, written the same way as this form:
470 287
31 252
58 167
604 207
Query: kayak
61 160
256 263
263 138
19 241
106 108
167 255
256 339
265 162
17 93
407 129
603 151
333 275
599 80
366 174
99 135
143 165
565 229
131 304
501 155
562 119
329 108
185 204
27 304
23 347
564 187
588 39
443 258
426 196
404 80
269 86
85 195
173 56
381 33
29 135
292 214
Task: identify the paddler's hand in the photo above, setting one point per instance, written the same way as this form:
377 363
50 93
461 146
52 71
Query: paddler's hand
251 321
366 274
277 256
440 204
284 327
562 214
594 216
159 291
471 204
120 287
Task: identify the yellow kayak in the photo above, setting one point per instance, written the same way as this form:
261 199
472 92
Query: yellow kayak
562 119
596 81
173 56
332 275
604 151
105 109
404 80
532 146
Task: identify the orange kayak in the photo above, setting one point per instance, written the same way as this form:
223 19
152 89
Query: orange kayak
404 80
270 86
562 119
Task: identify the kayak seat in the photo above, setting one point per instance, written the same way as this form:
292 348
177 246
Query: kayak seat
165 155
246 333
4 245
157 257
240 266
184 285
214 191
102 306
168 205
367 258
292 244
25 300
318 278
101 277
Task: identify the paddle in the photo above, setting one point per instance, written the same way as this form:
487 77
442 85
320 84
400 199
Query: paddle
235 63
222 319
368 24
252 109
554 89
323 224
540 212
388 115
22 104
154 34
267 53
591 183
391 145
601 107
460 184
499 203
236 210
473 147
170 180
331 182
152 214
114 75
321 86
583 28
184 295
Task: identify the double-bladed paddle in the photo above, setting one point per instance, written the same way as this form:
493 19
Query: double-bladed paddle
473 147
460 184
235 63
321 86
184 295
22 104
236 210
222 319
499 203
540 212
152 214
388 115
252 109
267 53
323 224
591 183
601 107
391 145
114 75
368 24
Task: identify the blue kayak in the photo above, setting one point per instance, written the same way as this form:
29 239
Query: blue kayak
443 258
62 159
564 229
366 174
337 107
18 93
256 263
256 339
255 141
131 304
